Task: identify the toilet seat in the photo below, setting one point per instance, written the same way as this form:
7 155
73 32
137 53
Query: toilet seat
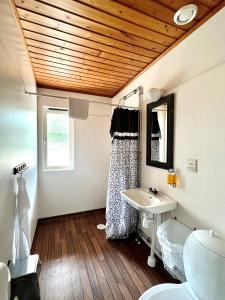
169 292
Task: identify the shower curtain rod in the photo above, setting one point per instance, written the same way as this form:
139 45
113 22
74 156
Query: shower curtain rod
91 101
138 89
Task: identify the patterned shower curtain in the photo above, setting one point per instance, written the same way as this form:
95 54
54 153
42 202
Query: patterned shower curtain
121 218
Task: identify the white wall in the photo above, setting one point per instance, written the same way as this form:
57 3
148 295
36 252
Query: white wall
195 72
18 130
84 188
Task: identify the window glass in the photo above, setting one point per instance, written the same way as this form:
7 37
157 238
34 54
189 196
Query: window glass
58 140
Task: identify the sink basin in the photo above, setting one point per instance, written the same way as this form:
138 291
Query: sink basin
148 202
143 198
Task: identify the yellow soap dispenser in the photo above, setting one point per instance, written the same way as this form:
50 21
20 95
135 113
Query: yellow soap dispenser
171 177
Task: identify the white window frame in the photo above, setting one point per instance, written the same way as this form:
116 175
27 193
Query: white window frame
56 110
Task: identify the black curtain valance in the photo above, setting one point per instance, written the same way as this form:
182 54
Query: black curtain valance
124 124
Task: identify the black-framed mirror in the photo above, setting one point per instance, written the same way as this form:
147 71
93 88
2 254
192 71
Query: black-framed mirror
160 127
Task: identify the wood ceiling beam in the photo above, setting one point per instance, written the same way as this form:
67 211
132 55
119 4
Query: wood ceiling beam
31 29
54 41
81 89
119 17
72 75
85 63
133 44
63 81
84 50
78 76
127 15
71 52
66 11
103 64
78 72
75 90
64 63
62 24
155 10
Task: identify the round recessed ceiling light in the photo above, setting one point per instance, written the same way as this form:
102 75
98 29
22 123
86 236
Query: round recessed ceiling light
185 14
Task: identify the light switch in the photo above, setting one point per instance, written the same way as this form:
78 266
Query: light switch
192 165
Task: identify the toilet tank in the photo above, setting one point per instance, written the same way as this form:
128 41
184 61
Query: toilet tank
204 264
4 282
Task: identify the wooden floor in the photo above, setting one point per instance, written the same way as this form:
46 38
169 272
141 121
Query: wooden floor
79 263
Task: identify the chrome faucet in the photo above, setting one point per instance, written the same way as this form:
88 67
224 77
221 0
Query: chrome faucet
152 190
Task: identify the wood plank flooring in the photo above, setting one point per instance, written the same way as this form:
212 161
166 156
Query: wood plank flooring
79 263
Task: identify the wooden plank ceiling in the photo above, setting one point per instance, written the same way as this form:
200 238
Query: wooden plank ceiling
98 46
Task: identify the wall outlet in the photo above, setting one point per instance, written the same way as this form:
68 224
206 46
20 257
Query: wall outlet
192 165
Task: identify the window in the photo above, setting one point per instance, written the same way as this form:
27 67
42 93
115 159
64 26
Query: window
57 139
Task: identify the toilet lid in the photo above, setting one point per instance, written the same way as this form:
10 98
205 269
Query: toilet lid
167 292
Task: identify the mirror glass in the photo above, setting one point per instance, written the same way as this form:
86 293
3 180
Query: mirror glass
160 119
159 133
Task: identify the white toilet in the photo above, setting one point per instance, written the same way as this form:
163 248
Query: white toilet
204 264
4 282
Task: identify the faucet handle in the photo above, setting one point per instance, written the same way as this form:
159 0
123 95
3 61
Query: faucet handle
153 190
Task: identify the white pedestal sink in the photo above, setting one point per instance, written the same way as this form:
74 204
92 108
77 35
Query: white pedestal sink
149 204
